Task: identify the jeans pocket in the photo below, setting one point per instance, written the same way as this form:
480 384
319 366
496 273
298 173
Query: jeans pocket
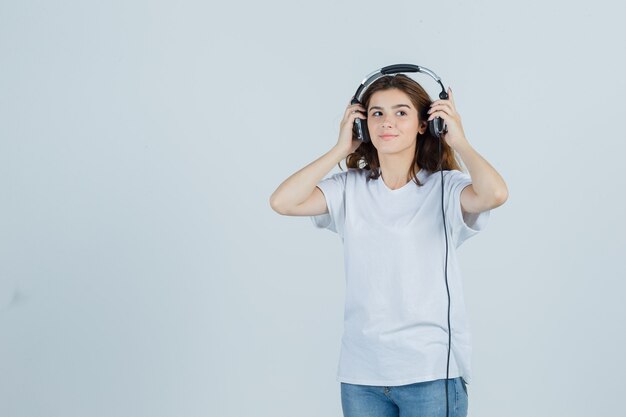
464 385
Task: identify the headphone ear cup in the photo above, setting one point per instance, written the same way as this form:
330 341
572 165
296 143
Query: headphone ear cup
360 130
431 128
366 132
435 127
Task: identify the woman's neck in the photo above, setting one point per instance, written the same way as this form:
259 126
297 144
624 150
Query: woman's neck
395 169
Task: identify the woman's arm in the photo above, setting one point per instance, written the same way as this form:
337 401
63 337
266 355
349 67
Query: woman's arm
300 185
488 190
296 189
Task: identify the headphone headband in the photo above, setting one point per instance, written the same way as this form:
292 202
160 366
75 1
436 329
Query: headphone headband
395 69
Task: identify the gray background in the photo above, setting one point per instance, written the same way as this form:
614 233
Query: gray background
143 272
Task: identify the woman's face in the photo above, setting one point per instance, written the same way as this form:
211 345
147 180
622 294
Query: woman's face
392 121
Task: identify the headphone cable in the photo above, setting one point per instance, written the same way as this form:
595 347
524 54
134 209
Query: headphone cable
446 276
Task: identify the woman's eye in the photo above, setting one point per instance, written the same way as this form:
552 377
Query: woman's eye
401 112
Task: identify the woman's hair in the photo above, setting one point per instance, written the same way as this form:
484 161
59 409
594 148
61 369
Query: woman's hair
427 146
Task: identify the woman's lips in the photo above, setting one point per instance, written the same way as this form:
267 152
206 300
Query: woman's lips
387 137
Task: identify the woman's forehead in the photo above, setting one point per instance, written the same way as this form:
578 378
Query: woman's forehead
390 97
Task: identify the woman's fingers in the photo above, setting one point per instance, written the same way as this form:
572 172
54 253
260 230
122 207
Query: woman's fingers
354 111
440 106
354 108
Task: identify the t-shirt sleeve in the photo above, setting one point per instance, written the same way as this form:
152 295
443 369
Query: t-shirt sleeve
462 226
334 190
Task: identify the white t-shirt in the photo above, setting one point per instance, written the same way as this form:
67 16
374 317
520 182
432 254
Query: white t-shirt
396 303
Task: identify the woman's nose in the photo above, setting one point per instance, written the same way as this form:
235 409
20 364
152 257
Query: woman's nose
387 121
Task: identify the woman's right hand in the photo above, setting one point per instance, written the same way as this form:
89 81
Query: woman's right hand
345 141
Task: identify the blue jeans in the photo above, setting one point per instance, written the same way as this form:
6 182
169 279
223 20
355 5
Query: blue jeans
422 399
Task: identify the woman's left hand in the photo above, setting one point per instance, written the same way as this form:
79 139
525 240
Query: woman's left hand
455 136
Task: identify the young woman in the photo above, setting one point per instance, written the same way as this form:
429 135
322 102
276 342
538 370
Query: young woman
387 209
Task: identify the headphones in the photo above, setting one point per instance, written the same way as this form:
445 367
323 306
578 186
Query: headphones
437 128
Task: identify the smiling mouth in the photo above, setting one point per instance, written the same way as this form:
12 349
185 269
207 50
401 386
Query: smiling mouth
387 136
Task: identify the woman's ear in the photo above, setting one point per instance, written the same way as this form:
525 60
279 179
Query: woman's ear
423 127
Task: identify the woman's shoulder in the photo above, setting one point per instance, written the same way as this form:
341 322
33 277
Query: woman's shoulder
356 172
451 176
450 173
359 171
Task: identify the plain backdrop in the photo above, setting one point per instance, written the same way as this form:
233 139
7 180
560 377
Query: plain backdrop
144 273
